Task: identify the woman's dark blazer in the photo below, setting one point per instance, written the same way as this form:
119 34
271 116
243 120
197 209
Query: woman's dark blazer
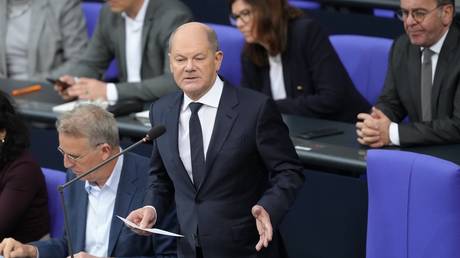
317 84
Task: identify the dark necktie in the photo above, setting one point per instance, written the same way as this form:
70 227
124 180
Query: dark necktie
427 84
196 144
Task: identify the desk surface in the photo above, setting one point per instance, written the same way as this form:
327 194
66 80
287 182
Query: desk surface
336 153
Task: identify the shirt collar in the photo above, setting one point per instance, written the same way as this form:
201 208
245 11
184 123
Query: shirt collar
140 15
436 48
112 181
211 98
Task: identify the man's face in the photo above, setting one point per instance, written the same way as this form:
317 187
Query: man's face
193 63
80 156
119 6
430 23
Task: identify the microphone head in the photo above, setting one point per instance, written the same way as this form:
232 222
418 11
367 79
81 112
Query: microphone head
155 132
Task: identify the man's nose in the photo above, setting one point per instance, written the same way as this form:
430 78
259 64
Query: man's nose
67 163
189 66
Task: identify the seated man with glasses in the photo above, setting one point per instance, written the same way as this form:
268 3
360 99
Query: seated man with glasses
88 135
422 83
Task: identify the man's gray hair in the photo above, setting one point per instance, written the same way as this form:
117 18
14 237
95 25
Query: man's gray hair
212 39
91 122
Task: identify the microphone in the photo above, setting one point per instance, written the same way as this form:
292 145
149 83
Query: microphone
153 133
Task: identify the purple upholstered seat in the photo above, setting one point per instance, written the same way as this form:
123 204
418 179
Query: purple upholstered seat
91 11
231 42
366 59
54 178
414 206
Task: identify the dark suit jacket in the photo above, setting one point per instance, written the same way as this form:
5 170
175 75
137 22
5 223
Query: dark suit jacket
401 95
161 19
23 200
317 84
122 241
250 160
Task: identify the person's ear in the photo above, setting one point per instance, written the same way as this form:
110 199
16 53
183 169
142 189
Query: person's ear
219 56
447 13
106 151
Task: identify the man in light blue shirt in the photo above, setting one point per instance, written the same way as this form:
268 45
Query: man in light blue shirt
88 135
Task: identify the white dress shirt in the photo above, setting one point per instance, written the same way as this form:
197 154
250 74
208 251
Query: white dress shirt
133 38
101 202
436 48
207 116
276 77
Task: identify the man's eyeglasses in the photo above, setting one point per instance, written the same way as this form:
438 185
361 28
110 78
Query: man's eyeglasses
244 15
418 15
74 158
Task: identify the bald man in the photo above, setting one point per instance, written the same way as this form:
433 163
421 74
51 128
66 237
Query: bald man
226 158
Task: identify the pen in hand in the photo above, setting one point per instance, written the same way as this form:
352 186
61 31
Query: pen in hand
26 90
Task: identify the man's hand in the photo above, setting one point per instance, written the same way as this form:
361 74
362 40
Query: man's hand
144 217
373 129
11 248
86 88
84 255
264 226
69 80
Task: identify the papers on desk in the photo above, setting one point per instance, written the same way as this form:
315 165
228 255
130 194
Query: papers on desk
151 230
73 104
143 117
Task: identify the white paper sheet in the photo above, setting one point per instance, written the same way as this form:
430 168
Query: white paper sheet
151 230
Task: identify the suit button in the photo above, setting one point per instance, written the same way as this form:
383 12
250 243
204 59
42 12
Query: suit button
299 87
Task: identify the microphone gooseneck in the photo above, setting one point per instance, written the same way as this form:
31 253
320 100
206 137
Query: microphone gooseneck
153 133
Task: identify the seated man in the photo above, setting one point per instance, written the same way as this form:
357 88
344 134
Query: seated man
87 136
136 33
423 81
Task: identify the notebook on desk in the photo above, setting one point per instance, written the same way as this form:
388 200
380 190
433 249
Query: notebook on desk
120 108
68 106
330 152
143 117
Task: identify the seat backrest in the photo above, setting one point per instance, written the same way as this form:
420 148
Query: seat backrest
414 206
366 60
231 42
54 178
306 5
91 11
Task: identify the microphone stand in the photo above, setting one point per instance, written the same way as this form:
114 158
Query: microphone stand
61 188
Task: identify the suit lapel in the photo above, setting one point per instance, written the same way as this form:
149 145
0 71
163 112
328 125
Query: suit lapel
443 65
126 190
120 31
3 19
285 61
80 204
148 21
38 16
414 68
172 125
225 118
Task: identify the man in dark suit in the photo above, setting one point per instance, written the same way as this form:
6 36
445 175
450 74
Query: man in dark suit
135 33
226 158
423 81
88 136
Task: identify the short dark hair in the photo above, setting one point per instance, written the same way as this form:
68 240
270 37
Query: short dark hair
17 135
444 2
